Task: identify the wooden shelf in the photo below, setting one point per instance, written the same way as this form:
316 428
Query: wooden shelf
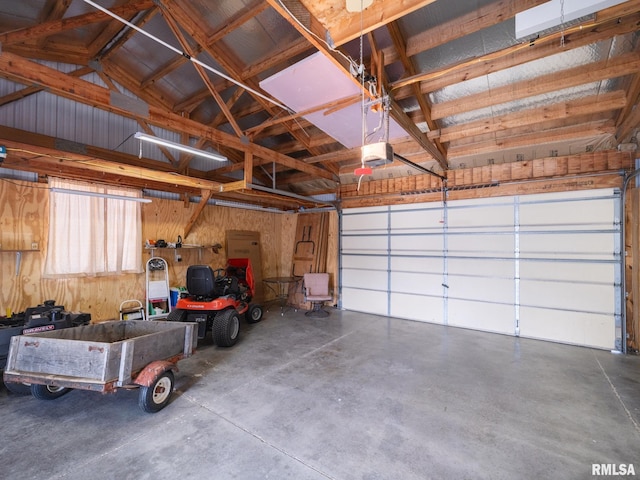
176 251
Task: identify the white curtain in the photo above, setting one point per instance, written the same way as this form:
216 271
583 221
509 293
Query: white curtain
91 236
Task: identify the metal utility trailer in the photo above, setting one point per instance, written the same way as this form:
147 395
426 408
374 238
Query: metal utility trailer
103 357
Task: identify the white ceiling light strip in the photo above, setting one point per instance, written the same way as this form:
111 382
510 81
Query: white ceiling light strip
177 146
184 54
100 195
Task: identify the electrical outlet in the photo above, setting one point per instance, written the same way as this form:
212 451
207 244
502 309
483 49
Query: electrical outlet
34 245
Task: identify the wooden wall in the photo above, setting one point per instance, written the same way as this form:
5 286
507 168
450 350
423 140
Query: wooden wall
632 267
24 220
554 174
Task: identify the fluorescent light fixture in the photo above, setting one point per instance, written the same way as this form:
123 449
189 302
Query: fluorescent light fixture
178 146
549 14
101 195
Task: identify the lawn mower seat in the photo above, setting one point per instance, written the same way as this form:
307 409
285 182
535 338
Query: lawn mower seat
200 281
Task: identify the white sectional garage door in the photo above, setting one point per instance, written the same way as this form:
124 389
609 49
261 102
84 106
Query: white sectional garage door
539 266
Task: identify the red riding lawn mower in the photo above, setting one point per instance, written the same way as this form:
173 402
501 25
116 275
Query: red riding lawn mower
216 299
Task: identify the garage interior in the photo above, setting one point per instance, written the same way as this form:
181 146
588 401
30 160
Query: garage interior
465 172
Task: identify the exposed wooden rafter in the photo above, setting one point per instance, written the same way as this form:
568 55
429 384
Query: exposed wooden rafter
17 68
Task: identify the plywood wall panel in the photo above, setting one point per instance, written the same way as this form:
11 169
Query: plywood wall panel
22 206
24 213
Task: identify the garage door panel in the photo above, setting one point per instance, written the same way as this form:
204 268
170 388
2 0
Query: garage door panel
478 288
364 301
374 244
417 307
567 214
364 262
568 296
359 221
559 271
482 267
588 329
481 215
417 283
367 279
481 245
481 316
577 246
417 264
425 219
425 244
545 266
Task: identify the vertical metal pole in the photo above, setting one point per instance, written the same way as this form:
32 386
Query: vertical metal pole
339 210
619 288
516 264
445 262
389 261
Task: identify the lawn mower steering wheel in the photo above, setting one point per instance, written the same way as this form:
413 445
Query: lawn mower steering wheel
219 273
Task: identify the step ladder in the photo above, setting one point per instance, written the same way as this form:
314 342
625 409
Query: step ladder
158 303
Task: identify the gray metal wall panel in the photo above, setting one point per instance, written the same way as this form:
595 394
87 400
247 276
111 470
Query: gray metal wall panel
58 117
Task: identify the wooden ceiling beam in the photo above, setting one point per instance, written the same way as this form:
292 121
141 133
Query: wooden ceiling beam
344 26
479 19
315 31
223 57
112 47
616 67
572 108
167 68
175 28
575 37
286 52
99 97
105 36
55 52
410 69
280 129
204 198
144 125
538 138
192 102
185 159
60 25
125 78
241 17
24 162
27 91
53 156
53 10
329 106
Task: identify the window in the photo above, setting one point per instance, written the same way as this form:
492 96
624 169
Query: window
91 236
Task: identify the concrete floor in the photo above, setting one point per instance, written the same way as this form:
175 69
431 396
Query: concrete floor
352 396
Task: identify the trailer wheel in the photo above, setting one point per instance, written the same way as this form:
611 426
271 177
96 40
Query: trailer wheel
156 396
18 388
226 327
48 392
177 315
254 314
